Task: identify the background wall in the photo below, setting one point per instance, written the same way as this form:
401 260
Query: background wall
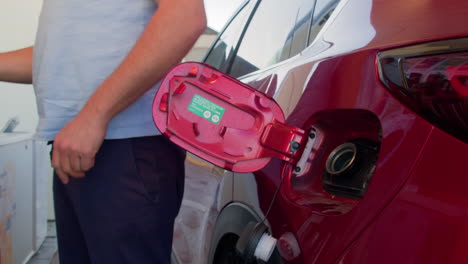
18 23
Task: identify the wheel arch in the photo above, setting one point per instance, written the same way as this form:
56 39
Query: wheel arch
231 220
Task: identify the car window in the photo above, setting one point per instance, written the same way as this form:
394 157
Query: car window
268 38
322 12
302 28
222 50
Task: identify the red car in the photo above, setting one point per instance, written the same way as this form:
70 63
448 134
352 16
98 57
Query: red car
347 133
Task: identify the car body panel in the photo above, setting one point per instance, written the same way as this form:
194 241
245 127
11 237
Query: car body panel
349 81
426 221
325 225
414 210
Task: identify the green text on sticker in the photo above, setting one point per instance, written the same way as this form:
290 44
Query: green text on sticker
205 108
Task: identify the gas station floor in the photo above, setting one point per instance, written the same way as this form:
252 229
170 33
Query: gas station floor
47 253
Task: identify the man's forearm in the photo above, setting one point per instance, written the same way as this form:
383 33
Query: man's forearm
168 36
16 66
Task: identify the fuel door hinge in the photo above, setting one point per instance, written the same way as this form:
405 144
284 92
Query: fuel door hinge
282 141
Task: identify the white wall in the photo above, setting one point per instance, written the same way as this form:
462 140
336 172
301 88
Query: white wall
18 23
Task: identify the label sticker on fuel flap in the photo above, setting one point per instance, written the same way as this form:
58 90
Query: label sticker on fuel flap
205 108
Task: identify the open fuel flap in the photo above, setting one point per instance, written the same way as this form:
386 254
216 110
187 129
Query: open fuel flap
222 120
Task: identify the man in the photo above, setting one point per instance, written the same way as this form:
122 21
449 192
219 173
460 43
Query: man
117 184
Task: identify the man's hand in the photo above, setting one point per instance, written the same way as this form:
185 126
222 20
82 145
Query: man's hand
76 145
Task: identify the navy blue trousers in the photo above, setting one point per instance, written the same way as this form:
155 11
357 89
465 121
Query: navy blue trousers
123 211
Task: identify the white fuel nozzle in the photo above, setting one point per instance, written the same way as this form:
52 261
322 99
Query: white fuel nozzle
265 247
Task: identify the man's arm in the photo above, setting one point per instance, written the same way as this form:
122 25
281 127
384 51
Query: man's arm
16 66
168 36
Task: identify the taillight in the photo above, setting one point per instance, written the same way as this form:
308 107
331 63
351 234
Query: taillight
433 83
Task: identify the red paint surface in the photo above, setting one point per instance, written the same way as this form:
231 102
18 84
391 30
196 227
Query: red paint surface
416 207
415 210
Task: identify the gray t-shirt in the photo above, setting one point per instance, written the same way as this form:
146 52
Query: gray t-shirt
79 44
